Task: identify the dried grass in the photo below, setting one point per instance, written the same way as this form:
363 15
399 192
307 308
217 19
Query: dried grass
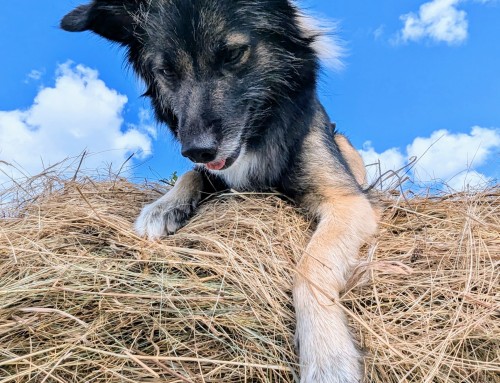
83 299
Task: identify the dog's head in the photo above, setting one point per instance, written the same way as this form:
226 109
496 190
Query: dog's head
216 70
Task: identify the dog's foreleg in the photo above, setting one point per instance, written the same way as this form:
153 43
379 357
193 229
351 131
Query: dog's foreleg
171 212
353 158
327 351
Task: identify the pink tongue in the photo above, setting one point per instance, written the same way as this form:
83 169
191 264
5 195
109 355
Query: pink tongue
216 165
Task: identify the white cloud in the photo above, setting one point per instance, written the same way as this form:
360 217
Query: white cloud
79 113
34 75
437 20
447 157
145 123
468 179
379 32
443 154
378 164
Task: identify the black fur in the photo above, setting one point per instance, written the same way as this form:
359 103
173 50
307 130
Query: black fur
271 90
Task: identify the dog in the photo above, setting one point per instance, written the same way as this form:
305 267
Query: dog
236 83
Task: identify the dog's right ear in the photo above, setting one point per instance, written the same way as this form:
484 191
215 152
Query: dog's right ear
112 19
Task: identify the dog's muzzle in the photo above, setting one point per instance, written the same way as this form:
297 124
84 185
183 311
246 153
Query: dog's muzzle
205 152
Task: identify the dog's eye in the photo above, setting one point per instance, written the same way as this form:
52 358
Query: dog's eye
233 56
168 74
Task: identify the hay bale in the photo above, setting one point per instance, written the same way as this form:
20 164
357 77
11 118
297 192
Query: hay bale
83 299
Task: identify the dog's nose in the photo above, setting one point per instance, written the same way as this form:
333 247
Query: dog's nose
200 155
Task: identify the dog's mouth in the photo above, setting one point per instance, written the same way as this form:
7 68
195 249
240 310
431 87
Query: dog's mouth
217 165
224 163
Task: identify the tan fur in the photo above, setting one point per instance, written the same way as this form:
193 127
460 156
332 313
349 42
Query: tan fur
352 157
346 220
189 183
237 39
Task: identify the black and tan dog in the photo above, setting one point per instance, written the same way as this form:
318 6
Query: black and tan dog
235 80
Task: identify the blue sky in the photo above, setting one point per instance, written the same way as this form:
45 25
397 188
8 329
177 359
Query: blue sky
419 77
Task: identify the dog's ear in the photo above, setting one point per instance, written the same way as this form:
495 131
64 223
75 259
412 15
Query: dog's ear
112 19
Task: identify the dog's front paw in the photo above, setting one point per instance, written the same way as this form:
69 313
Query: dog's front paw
330 364
171 212
163 217
328 353
331 370
329 357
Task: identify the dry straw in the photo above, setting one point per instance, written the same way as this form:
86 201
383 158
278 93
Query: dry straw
83 299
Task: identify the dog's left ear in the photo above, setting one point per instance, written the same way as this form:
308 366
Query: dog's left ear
112 19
